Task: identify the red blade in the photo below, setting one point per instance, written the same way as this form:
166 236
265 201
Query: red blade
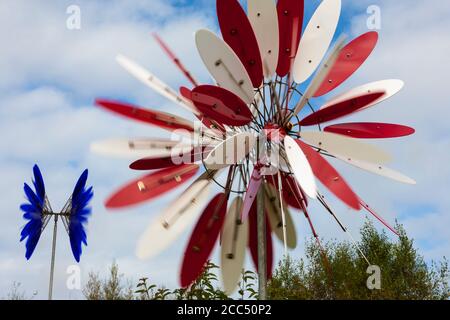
366 130
175 60
186 93
207 122
252 192
253 240
342 109
378 217
221 105
203 239
151 186
238 33
351 58
291 194
330 177
160 119
156 163
290 20
196 155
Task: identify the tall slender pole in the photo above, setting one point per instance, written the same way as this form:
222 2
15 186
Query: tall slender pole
261 236
52 266
262 247
283 214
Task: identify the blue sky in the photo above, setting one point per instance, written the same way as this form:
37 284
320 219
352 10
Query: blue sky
50 76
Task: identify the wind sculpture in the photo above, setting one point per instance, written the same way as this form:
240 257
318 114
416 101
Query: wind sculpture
255 140
38 211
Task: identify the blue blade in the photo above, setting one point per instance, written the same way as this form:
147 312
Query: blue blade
32 197
81 184
33 212
26 207
31 245
32 231
39 184
79 215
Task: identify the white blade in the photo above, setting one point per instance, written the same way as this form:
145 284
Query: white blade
140 148
234 244
154 83
264 19
181 214
378 170
300 167
231 151
347 147
224 65
391 87
316 39
321 74
273 208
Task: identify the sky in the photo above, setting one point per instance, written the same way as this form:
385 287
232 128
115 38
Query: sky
50 76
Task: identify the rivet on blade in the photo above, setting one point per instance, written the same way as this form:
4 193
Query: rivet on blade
141 186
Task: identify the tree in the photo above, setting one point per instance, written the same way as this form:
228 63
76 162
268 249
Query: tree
17 294
404 273
111 288
340 273
204 288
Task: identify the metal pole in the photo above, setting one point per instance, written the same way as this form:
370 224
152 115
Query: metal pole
283 214
52 266
262 247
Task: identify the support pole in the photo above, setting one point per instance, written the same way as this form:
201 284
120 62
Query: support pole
262 247
52 266
283 215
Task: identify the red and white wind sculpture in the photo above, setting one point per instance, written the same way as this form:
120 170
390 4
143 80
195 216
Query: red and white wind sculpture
258 137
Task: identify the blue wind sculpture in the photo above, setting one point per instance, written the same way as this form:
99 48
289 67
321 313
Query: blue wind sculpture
39 213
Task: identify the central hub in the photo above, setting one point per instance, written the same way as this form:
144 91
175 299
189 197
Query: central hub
274 132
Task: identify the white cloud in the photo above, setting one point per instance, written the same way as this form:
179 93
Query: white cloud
83 61
49 78
51 75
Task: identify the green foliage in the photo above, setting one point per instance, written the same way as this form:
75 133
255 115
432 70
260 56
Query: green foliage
148 291
111 288
341 275
203 288
247 285
404 273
